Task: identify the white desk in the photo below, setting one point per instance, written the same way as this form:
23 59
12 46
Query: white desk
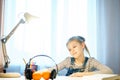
91 77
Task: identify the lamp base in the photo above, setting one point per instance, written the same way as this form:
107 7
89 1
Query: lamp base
10 75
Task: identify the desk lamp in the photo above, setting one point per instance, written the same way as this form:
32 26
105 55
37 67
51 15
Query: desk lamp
27 18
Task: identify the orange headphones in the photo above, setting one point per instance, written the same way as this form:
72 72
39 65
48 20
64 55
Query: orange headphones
37 75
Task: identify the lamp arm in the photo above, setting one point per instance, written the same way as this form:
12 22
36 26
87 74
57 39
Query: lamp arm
6 57
4 40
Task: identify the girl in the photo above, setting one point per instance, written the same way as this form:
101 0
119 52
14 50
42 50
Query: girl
78 65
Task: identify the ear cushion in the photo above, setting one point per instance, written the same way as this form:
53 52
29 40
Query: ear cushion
41 74
53 74
46 74
28 73
36 75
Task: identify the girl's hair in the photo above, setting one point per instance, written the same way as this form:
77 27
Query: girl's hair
80 39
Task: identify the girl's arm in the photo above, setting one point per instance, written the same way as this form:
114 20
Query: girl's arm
100 69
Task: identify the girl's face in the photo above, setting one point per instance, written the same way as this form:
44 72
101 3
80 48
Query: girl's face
75 48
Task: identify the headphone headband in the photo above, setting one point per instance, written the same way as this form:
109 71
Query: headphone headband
45 56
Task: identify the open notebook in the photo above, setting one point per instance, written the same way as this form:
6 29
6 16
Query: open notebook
112 78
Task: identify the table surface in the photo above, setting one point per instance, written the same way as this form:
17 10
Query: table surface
91 77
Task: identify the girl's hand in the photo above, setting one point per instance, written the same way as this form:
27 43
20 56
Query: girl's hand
81 74
77 74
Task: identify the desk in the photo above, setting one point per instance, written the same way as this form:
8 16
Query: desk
91 77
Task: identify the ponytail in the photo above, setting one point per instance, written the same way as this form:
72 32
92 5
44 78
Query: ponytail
87 50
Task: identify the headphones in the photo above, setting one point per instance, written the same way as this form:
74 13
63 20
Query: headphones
30 72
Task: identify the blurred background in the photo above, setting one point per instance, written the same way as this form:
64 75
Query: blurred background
96 20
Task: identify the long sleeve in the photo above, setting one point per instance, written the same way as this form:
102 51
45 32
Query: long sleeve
63 64
97 67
